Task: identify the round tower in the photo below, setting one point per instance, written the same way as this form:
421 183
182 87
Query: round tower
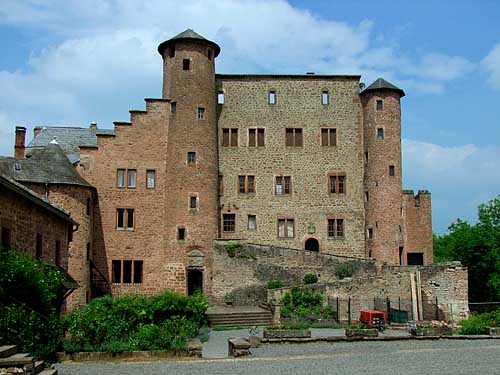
383 186
192 161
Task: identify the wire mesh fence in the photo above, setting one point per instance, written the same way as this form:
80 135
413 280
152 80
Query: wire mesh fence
483 307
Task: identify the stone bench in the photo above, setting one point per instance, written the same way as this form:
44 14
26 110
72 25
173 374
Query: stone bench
238 347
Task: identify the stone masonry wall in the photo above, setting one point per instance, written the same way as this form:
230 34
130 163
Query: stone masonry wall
245 276
298 105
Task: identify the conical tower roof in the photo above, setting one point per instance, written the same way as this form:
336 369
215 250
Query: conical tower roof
191 36
382 84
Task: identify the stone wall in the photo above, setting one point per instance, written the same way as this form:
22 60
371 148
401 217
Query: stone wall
309 204
245 275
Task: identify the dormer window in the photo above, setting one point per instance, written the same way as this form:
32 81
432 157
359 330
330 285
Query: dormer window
17 166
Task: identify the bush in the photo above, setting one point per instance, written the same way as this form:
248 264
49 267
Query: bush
30 298
347 269
300 303
274 284
310 278
479 324
133 322
231 248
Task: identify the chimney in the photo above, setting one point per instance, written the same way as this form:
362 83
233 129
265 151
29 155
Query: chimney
93 125
36 130
19 146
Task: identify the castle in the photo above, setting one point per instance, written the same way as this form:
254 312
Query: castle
309 162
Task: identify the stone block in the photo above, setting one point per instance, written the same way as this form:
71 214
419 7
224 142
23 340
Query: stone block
238 347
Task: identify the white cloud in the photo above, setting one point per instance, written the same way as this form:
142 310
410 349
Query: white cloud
491 64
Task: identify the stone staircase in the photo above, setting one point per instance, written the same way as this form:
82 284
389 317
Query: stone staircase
12 362
238 316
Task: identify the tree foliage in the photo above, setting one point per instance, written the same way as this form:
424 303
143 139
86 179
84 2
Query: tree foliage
477 247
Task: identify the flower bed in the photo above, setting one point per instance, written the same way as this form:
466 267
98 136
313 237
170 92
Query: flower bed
433 328
285 333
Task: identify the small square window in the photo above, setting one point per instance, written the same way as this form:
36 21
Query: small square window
201 113
272 97
252 222
185 64
380 105
125 218
173 107
293 137
283 185
193 202
325 99
286 228
120 178
191 157
181 233
230 137
392 171
220 98
150 179
328 137
380 133
131 174
228 222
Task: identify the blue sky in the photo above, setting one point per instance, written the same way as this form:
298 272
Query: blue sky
72 62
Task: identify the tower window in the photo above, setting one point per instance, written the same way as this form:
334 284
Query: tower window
246 184
193 202
220 98
252 222
370 233
191 157
337 184
293 137
272 97
181 233
131 174
201 113
173 107
328 137
391 171
256 137
283 185
185 64
366 157
228 222
125 218
325 99
380 105
150 179
230 137
380 133
286 228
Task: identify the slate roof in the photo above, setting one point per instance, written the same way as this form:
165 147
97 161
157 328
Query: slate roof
69 138
30 195
382 84
189 35
46 165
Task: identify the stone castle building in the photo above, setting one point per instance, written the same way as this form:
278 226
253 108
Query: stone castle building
310 162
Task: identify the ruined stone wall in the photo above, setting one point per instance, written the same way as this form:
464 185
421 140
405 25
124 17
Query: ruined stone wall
245 275
417 216
298 105
25 220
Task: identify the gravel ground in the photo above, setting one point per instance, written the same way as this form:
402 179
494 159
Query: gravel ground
446 357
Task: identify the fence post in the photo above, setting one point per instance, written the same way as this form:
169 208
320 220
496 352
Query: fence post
399 303
437 309
338 310
349 310
388 302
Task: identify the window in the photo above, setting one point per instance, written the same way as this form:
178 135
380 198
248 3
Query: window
391 171
126 271
116 270
272 97
415 259
367 196
335 228
131 174
17 166
380 133
228 222
150 178
230 137
380 105
286 228
370 233
366 157
5 238
58 253
173 107
191 157
256 137
325 97
293 137
120 178
246 184
252 222
185 64
193 202
181 234
220 97
337 184
201 113
283 185
38 246
125 218
328 137
221 185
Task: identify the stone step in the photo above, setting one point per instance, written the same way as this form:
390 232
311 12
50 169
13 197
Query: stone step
16 360
240 319
48 371
238 315
39 367
7 350
240 323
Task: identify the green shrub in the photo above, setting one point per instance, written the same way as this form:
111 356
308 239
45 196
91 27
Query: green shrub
479 324
310 278
301 303
231 248
30 298
347 269
134 322
274 284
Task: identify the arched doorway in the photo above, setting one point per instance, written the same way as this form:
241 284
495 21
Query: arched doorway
194 281
312 244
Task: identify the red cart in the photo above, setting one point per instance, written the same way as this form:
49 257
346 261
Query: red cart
373 318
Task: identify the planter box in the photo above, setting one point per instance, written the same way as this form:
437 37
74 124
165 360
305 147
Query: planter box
287 333
355 333
432 331
494 331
